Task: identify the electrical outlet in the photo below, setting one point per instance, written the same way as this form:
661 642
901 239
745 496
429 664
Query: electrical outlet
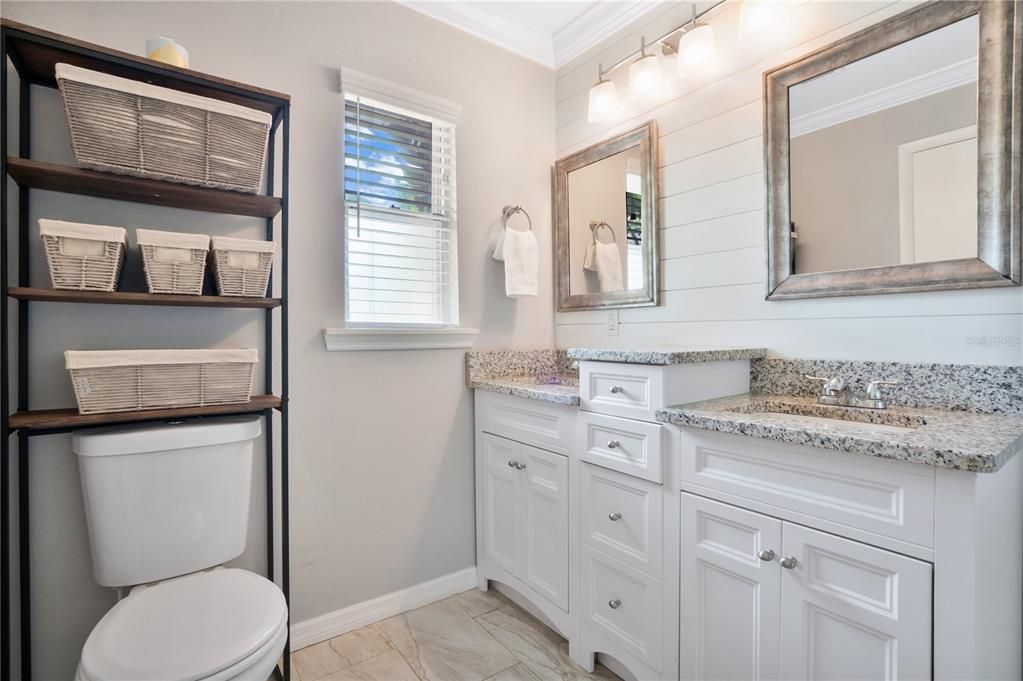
612 323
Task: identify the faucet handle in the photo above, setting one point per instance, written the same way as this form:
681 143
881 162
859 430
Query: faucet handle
829 386
874 389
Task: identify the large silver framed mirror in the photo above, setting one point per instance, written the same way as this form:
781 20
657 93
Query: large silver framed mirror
893 156
605 223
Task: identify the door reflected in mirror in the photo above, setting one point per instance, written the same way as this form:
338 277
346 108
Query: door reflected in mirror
883 156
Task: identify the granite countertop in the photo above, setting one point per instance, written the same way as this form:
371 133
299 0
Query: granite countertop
565 392
960 440
664 356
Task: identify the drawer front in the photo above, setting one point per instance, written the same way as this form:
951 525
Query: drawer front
541 424
621 515
623 604
631 447
890 498
630 390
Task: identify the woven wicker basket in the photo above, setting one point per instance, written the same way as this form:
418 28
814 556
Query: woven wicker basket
83 257
125 126
174 262
132 380
242 266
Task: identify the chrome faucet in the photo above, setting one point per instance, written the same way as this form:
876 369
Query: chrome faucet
836 392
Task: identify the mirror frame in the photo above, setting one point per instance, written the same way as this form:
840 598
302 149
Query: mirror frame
645 137
999 93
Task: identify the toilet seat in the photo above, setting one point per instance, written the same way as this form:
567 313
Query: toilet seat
208 624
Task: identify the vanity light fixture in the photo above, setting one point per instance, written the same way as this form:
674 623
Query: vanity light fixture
603 99
645 73
697 46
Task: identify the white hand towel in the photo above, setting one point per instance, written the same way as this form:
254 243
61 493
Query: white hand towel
520 253
608 263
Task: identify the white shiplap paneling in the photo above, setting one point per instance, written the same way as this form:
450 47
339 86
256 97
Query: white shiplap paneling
712 198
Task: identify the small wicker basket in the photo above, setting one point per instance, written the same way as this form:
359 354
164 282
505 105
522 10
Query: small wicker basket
133 380
83 257
174 262
242 266
125 126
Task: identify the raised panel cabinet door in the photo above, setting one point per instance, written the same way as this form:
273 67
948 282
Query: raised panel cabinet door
545 517
731 592
852 611
503 539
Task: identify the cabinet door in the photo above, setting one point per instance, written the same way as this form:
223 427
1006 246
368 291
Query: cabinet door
730 594
545 518
852 611
503 538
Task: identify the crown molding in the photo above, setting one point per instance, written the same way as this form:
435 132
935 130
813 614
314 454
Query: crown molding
520 38
601 21
887 97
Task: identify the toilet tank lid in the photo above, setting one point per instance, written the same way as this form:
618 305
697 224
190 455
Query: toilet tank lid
164 436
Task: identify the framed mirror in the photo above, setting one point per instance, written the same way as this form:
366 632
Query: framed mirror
891 166
605 223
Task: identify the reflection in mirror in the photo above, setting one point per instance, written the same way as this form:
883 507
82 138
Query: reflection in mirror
605 225
883 156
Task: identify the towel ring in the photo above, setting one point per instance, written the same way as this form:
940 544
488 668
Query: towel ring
512 210
595 228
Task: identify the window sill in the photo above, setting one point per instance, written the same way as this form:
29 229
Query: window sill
351 340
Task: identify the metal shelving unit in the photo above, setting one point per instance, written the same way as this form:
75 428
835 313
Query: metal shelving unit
33 53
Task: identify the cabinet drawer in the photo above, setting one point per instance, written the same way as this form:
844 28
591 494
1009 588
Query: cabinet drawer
621 515
632 447
623 604
890 498
630 390
541 424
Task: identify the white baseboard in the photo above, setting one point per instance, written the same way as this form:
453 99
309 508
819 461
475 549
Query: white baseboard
363 614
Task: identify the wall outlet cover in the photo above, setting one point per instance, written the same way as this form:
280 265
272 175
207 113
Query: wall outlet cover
612 322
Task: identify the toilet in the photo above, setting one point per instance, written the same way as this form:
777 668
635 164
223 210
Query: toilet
166 506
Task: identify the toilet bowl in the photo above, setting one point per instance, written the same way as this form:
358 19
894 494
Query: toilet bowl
220 625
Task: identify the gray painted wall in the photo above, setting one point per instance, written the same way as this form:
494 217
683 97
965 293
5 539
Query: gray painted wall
381 446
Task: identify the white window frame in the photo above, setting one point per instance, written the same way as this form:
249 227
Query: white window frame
358 335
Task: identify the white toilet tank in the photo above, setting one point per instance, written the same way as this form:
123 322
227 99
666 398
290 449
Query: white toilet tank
166 500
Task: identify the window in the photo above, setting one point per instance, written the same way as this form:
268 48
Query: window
401 255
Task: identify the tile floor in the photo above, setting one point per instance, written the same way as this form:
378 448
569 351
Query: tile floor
472 636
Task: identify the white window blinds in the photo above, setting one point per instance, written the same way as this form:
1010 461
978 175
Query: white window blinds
401 255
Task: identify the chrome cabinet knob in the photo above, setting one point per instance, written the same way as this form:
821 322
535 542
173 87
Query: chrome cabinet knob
520 466
614 517
766 555
511 464
614 604
789 562
617 389
613 444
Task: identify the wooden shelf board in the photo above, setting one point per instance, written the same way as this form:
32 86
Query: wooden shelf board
132 298
49 419
36 52
71 180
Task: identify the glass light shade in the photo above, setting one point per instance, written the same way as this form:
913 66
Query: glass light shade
697 47
603 102
645 76
754 16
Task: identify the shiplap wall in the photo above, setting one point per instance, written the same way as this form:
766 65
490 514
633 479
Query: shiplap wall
712 219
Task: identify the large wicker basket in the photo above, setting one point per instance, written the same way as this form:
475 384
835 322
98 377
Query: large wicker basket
125 126
174 262
132 380
242 266
83 257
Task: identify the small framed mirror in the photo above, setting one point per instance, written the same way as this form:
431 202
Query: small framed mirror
893 157
605 223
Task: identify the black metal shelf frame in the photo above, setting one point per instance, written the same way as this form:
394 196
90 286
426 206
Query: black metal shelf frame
274 231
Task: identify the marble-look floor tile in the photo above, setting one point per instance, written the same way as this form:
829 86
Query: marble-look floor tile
390 666
442 643
476 602
519 672
361 644
540 648
317 661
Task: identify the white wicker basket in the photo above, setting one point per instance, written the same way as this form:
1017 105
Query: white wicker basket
242 266
174 262
125 126
83 257
132 380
